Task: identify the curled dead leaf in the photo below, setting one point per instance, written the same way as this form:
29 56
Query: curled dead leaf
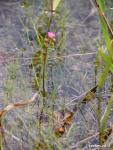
68 117
62 120
59 131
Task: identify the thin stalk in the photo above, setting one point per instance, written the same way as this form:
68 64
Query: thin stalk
44 56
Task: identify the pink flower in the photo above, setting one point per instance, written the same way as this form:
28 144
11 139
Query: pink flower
51 35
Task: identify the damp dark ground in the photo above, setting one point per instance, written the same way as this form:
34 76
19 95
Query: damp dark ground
76 76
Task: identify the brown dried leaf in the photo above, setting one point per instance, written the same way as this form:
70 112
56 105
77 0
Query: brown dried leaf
59 131
62 120
68 117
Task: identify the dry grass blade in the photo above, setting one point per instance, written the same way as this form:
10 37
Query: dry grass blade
17 105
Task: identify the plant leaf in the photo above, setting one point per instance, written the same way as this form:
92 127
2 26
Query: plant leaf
105 33
106 114
107 60
55 4
103 77
101 5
